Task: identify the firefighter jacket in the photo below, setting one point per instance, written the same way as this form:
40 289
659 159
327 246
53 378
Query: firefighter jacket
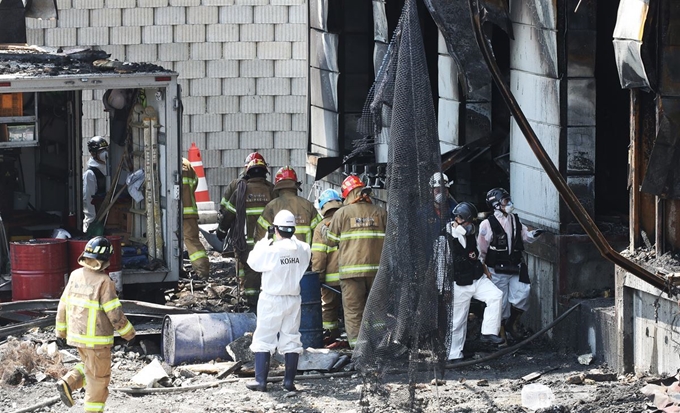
306 216
232 188
89 311
257 195
325 258
189 183
358 231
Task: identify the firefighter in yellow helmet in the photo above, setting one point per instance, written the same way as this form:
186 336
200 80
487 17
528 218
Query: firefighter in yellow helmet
88 313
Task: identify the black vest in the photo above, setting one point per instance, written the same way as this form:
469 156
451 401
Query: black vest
466 265
101 181
499 257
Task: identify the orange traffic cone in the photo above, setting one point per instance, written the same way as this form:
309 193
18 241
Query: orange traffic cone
201 192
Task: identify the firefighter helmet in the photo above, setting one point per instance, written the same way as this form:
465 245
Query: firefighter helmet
351 182
495 196
285 172
328 195
466 211
439 179
96 144
252 156
256 163
98 248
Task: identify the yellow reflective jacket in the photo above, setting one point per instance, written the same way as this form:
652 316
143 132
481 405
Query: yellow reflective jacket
189 184
306 216
89 310
358 231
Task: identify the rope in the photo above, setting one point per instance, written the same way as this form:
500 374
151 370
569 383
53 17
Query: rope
237 234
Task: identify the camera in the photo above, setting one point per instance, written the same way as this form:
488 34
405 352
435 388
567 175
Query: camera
270 232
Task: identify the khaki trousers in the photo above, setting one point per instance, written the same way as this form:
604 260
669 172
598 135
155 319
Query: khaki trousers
94 373
197 256
249 281
330 308
355 292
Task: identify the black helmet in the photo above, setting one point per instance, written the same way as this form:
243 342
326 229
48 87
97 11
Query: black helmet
96 144
495 196
98 248
466 211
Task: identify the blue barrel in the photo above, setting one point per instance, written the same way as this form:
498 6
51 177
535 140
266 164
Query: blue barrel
202 337
311 326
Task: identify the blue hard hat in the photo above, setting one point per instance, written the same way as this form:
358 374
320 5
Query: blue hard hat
328 195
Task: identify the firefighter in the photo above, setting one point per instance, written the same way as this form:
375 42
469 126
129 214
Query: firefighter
358 231
197 255
88 313
472 280
94 178
234 183
282 260
325 263
242 210
501 244
286 186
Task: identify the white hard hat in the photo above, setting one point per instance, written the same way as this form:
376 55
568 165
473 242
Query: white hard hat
284 218
439 179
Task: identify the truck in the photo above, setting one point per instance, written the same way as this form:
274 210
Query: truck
51 102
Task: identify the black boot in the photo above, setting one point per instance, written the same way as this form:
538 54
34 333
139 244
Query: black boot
291 370
512 324
261 372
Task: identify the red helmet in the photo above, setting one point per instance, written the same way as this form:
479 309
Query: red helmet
350 183
256 163
285 172
254 155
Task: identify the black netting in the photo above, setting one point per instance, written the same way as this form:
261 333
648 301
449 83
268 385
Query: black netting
405 321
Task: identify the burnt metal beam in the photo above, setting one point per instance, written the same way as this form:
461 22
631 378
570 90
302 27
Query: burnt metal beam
551 170
137 307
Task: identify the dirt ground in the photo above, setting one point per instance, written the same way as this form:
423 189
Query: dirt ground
493 386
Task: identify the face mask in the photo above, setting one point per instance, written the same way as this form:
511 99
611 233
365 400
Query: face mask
439 198
460 229
509 208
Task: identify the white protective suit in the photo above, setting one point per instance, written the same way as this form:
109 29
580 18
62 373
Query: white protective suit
89 189
515 293
282 263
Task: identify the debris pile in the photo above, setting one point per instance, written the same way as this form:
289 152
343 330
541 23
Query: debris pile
24 360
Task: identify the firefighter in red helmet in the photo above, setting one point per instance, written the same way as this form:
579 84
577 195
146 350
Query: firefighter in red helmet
358 231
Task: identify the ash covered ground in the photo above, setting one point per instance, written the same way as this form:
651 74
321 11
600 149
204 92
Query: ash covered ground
27 378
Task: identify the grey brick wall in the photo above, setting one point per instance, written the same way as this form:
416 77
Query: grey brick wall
241 64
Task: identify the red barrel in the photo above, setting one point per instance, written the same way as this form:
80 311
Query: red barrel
39 268
115 269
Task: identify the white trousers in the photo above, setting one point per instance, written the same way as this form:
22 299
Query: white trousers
515 293
482 290
277 315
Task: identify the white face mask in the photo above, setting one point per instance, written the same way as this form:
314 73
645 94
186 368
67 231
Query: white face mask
439 198
509 208
459 229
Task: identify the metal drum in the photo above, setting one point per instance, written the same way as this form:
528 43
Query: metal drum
39 268
311 326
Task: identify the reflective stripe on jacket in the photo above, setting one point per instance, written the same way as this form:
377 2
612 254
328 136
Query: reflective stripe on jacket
89 310
325 258
358 230
259 192
306 216
189 183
